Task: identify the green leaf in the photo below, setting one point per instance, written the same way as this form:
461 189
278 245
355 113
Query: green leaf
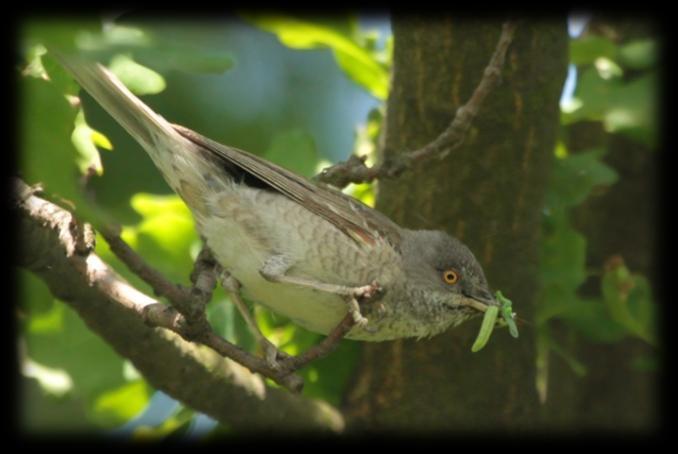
590 318
138 78
563 258
576 176
295 150
228 322
121 404
354 57
628 300
165 235
632 109
639 54
149 205
68 345
627 107
327 378
34 66
587 49
83 138
113 38
62 34
47 154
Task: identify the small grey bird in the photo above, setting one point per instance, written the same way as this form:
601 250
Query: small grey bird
304 250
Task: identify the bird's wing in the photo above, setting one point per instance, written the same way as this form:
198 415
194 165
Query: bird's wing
355 219
358 221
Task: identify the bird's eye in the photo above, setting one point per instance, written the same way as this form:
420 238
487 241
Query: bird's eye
450 277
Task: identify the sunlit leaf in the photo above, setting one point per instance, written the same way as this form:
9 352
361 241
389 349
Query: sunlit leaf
165 235
62 33
138 78
353 57
100 140
70 346
149 205
123 403
112 37
53 381
627 107
88 154
34 67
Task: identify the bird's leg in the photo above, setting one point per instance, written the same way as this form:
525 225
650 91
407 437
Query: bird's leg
276 267
270 351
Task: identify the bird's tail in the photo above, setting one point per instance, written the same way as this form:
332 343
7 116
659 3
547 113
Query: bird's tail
179 160
136 117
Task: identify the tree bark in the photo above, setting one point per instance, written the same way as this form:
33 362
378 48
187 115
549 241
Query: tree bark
57 248
489 194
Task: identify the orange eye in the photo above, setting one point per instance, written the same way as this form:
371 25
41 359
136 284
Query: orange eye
450 277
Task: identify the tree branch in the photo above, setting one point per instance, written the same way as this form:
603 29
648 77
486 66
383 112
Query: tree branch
354 169
189 321
59 250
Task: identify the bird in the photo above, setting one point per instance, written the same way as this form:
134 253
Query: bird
302 249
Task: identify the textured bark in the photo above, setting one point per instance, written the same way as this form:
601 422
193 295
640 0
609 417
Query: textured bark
489 194
55 247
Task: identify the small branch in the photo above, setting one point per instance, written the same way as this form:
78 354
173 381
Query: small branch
120 314
180 298
325 347
354 169
186 315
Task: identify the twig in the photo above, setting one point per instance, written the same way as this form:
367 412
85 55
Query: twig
114 310
186 315
354 169
181 299
325 347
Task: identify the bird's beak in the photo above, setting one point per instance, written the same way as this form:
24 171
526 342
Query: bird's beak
482 296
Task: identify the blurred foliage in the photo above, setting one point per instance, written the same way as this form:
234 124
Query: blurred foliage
68 369
74 381
355 51
616 87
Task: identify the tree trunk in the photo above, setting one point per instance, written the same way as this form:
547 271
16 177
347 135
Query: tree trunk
487 193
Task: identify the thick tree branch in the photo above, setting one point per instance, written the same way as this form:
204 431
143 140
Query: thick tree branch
58 249
354 169
187 318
